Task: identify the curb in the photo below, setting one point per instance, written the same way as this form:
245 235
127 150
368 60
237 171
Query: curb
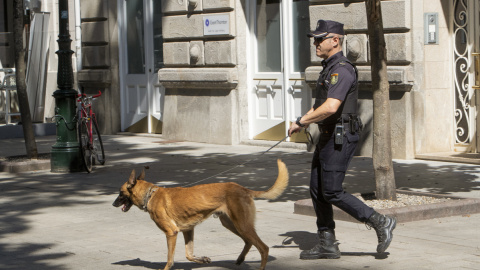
285 145
457 207
460 158
16 131
24 166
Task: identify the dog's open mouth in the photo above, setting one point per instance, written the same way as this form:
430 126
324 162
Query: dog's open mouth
124 202
126 206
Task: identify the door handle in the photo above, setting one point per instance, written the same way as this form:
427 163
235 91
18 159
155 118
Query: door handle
268 90
291 90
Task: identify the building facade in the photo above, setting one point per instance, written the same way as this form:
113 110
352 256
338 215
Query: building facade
230 71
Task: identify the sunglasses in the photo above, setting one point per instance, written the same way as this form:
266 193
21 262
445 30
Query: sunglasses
321 39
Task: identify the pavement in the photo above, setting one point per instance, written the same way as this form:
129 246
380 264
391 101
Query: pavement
67 221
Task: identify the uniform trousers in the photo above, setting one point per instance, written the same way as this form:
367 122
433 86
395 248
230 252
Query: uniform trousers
329 164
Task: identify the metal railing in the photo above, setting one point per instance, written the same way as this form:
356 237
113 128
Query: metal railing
8 84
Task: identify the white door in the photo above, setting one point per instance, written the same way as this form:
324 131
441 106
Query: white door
141 57
281 52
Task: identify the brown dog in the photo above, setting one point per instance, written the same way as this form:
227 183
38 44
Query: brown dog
180 209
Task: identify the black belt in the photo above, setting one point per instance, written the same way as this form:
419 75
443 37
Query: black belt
328 129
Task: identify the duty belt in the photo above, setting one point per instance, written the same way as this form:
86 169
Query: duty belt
326 129
354 124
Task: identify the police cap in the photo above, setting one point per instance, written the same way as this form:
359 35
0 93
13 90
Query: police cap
324 27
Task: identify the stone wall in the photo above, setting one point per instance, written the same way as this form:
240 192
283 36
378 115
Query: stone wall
200 73
434 86
100 61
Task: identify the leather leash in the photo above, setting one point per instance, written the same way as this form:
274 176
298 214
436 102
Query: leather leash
250 160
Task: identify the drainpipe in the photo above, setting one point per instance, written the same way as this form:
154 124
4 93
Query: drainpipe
78 35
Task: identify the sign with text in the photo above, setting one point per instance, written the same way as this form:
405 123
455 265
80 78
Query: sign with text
216 25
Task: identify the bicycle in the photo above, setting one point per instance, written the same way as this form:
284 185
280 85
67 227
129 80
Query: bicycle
90 141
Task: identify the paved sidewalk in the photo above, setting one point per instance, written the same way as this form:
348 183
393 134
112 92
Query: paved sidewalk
66 221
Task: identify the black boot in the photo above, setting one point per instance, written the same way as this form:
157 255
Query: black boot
384 226
326 249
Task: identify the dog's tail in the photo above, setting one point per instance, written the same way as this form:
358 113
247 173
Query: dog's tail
279 187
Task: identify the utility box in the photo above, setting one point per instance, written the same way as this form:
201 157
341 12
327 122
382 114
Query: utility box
431 28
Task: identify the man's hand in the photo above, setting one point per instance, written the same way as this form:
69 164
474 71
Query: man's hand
294 128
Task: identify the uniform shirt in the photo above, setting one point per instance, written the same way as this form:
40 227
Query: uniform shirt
336 84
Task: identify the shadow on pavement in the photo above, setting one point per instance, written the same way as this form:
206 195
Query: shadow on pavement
226 264
306 240
377 256
177 164
303 240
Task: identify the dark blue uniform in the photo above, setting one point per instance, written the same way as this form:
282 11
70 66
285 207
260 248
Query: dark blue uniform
330 161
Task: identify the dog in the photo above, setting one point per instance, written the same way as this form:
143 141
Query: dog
180 209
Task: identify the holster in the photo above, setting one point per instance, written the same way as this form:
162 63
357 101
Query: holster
355 123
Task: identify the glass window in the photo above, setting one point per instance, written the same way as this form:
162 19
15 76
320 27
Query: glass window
3 16
135 37
7 52
157 35
300 40
268 36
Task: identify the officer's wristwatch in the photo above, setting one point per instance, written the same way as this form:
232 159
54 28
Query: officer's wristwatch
298 122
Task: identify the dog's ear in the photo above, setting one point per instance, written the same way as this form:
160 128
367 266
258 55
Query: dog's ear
142 175
132 180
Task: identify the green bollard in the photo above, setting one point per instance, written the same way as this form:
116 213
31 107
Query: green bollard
65 154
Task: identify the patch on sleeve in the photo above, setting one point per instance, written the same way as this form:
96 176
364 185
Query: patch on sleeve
334 78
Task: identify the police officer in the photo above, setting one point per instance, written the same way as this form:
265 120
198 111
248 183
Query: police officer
335 112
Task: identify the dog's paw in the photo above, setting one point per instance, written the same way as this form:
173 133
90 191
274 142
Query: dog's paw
202 259
240 260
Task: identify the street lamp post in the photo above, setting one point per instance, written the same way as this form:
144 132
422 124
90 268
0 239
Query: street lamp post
65 155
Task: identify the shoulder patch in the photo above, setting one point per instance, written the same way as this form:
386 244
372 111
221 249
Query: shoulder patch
334 78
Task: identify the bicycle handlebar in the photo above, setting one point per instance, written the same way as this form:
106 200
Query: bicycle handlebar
95 96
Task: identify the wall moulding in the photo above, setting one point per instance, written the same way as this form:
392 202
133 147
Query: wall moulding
94 78
398 78
199 78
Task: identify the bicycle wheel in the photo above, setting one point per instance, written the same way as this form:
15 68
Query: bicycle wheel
98 150
83 141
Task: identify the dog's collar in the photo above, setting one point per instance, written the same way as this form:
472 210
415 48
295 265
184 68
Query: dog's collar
147 197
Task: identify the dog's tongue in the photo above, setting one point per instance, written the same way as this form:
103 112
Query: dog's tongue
124 207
